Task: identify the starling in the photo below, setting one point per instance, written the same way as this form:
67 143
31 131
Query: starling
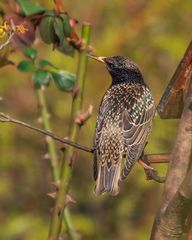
123 123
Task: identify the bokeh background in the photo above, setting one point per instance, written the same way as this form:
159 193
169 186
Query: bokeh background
155 35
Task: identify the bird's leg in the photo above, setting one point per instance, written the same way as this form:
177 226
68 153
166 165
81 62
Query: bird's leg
150 172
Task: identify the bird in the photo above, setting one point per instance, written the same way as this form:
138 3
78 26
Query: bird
123 123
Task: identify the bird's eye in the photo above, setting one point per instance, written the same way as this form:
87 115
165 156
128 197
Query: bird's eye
110 65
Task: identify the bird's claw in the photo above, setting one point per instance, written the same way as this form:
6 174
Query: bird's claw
151 173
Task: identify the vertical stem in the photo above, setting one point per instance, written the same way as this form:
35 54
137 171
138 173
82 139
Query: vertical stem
66 171
53 156
49 140
69 225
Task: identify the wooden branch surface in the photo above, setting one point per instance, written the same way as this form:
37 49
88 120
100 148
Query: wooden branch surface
172 102
177 195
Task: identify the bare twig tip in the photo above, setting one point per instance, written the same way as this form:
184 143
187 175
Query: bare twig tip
4 117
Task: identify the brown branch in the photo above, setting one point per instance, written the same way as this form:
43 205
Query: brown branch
59 5
152 158
173 219
158 158
172 101
177 194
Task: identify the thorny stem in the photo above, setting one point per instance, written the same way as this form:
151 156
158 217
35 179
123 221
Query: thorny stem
53 156
49 140
66 171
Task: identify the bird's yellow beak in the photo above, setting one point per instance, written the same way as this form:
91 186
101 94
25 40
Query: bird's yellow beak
100 59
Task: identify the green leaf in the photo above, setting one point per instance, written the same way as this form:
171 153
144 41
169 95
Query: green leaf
49 13
66 48
26 66
66 24
59 29
62 30
30 52
41 77
46 29
29 7
64 80
44 63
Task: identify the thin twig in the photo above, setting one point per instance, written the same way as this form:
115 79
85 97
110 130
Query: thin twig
151 158
6 118
11 30
8 41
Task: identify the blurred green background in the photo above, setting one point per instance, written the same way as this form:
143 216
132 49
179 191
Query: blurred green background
155 35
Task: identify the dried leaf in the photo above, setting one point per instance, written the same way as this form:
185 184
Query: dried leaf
25 32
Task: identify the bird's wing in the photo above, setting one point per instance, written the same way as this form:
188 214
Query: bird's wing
103 109
136 125
110 157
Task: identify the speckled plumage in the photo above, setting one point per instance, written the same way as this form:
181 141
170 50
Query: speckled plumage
123 124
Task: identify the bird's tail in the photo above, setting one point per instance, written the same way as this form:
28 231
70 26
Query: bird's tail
108 179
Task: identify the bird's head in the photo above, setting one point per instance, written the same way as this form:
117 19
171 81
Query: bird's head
121 69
